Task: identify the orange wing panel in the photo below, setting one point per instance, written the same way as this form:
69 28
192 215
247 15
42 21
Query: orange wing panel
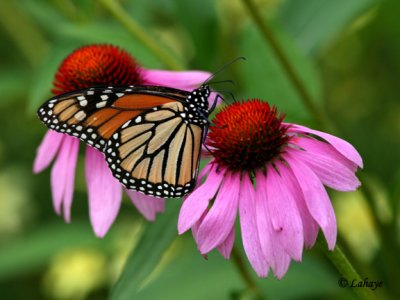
140 101
108 128
100 117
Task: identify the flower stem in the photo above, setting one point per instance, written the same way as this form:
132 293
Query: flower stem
346 269
130 24
317 113
245 274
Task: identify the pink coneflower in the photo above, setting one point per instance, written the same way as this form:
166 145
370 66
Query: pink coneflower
92 66
273 174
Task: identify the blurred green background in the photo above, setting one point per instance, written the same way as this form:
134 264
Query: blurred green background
347 54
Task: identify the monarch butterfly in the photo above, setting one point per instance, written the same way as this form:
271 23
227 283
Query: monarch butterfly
151 136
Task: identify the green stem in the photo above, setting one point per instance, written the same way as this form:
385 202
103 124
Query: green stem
318 114
245 274
152 45
345 268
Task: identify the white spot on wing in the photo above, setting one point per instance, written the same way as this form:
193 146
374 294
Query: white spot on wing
101 104
80 115
126 124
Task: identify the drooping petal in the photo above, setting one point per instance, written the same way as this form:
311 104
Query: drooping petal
248 224
315 146
340 145
63 175
316 198
196 226
218 223
148 206
47 150
184 80
329 170
276 256
284 214
225 248
105 192
310 227
159 206
69 188
196 203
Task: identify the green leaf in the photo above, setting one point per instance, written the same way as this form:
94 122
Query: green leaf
30 253
264 77
155 240
188 275
313 23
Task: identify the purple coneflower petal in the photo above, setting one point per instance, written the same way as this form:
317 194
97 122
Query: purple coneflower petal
274 253
284 214
63 176
148 206
313 145
310 227
316 198
105 192
248 224
47 150
219 221
340 145
184 80
159 205
329 170
225 248
196 226
197 202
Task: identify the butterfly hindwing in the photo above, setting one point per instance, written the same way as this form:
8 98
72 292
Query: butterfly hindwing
157 153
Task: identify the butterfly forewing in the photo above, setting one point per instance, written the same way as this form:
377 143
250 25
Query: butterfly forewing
93 115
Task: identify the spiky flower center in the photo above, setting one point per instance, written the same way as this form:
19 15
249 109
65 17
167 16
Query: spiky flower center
96 65
246 135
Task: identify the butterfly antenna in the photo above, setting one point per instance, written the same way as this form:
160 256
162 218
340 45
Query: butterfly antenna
222 81
227 92
224 67
205 146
